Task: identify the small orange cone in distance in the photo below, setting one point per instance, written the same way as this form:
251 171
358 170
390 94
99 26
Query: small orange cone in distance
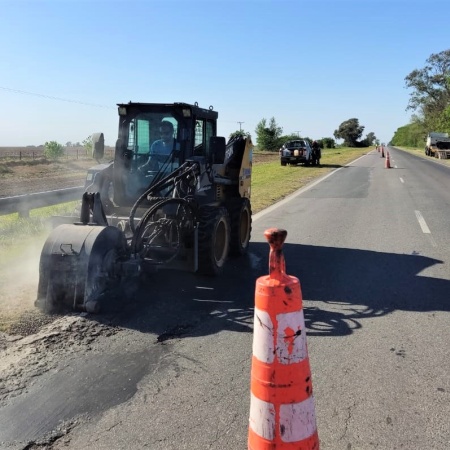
282 410
388 161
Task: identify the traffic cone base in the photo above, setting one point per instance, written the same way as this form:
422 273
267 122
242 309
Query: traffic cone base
297 423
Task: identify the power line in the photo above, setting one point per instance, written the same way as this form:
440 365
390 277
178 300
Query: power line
18 91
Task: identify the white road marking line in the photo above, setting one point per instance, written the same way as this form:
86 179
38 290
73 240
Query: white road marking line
422 222
402 180
425 228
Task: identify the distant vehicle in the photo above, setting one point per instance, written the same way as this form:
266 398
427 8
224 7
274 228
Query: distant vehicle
297 152
435 142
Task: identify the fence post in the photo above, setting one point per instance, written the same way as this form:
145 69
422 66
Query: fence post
23 211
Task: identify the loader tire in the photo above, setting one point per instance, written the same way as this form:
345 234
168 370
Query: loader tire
240 213
213 239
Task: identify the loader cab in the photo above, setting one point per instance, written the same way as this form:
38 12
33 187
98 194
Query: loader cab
144 155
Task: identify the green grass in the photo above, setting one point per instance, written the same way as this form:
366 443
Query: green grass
272 182
14 229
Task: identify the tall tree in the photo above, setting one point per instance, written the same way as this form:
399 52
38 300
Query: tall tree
268 135
350 131
411 135
370 139
430 86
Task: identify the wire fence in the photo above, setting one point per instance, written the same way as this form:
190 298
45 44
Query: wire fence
32 153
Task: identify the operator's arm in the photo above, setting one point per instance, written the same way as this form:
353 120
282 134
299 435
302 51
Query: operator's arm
152 163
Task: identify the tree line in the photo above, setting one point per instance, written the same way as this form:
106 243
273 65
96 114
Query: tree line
269 135
429 100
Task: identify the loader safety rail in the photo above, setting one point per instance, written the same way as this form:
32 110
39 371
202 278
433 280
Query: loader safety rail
23 204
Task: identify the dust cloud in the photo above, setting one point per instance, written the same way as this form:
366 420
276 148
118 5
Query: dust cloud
19 276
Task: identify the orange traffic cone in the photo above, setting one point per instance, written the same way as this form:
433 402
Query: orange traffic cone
282 411
388 161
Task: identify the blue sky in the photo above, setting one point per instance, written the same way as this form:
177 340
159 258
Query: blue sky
311 64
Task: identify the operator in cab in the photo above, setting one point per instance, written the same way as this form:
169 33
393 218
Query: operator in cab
164 152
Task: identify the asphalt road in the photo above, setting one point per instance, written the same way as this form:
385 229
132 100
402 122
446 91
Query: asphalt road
170 368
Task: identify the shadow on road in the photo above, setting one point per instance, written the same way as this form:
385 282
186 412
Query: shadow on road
341 287
359 284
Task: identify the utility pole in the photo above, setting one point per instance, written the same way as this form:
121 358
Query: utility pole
240 125
298 133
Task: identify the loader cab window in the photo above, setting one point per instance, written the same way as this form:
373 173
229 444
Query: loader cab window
145 129
139 137
153 149
198 138
204 129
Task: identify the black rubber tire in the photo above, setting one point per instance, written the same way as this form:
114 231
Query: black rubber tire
283 163
240 213
213 239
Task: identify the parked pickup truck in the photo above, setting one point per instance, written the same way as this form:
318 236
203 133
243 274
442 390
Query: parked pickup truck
299 151
438 145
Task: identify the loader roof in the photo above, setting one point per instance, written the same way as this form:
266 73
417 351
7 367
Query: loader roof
195 109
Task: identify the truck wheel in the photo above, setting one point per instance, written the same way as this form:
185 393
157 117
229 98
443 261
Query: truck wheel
283 163
240 213
213 239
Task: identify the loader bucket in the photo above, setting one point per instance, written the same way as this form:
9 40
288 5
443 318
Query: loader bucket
78 264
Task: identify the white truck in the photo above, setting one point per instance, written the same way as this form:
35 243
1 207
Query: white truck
438 145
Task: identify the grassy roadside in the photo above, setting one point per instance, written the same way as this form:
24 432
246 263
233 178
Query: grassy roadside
272 182
15 230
